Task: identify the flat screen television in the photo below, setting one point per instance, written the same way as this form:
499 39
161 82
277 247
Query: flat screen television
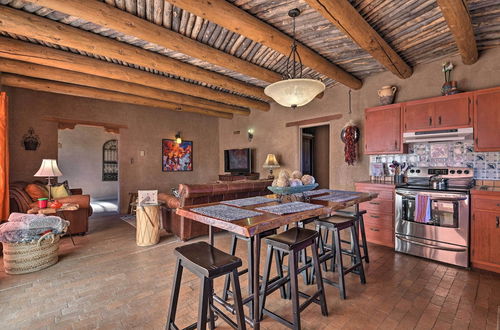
238 160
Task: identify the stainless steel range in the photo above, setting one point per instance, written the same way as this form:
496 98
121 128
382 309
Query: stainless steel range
432 214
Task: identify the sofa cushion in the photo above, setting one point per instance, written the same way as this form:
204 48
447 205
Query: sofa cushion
36 191
59 191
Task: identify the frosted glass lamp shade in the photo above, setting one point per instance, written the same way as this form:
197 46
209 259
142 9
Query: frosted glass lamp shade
49 169
294 92
271 162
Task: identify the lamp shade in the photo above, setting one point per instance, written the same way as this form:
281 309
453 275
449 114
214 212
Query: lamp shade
294 92
271 162
48 169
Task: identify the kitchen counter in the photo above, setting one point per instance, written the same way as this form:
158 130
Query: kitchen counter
381 183
486 190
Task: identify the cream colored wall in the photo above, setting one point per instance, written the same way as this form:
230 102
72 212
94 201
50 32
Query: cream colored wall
146 128
80 160
271 135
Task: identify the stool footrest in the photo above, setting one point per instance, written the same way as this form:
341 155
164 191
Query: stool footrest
224 317
309 300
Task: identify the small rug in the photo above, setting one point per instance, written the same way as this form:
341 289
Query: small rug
130 219
249 201
338 196
225 212
288 208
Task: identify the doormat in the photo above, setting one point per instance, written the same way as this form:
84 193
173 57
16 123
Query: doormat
130 219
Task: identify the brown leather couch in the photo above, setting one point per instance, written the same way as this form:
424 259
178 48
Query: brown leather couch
21 202
191 194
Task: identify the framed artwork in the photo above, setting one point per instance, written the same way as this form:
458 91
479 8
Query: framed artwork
176 157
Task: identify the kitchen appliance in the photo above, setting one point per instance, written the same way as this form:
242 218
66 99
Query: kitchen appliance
433 220
457 134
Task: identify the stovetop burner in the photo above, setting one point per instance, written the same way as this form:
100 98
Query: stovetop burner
458 178
430 187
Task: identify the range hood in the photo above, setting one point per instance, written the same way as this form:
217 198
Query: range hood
457 134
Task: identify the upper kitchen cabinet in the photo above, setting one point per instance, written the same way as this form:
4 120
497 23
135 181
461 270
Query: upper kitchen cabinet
487 120
383 130
445 112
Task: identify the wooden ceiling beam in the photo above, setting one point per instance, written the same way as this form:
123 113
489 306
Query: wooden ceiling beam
77 78
457 17
348 20
113 18
229 16
28 52
48 86
32 26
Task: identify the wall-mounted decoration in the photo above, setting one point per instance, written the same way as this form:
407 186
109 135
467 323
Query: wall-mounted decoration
386 94
110 161
350 136
177 157
31 141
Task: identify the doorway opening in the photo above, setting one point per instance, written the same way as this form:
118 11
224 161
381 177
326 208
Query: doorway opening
88 159
315 153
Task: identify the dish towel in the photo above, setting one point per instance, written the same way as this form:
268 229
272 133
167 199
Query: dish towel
422 208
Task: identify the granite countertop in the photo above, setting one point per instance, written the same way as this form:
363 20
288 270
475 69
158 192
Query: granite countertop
487 190
387 183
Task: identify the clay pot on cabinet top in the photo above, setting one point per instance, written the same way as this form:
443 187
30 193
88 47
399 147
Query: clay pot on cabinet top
386 94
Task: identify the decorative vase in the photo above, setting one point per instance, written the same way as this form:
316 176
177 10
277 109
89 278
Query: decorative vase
386 94
450 88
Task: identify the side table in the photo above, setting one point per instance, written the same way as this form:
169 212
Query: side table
148 224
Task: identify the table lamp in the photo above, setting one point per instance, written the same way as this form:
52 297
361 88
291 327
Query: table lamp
271 163
48 170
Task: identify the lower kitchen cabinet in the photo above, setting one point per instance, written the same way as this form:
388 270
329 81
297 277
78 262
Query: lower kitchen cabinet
485 231
379 217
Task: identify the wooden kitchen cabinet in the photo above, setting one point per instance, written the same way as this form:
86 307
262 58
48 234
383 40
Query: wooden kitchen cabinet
485 230
444 112
487 120
383 130
379 217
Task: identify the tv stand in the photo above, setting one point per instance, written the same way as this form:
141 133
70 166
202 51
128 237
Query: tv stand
236 177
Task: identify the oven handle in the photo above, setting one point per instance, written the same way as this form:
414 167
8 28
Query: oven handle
432 246
444 199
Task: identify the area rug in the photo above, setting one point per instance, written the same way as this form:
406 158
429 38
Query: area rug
130 219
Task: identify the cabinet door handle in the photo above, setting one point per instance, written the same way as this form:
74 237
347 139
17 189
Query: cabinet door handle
498 222
396 144
375 203
375 216
374 229
468 110
439 120
430 121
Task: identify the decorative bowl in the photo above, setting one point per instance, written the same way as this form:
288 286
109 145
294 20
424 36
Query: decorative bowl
292 190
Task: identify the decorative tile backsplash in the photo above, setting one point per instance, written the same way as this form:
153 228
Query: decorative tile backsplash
486 165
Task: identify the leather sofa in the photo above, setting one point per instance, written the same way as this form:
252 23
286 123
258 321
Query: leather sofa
21 202
192 194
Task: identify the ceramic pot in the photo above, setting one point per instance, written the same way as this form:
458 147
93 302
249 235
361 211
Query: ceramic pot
386 94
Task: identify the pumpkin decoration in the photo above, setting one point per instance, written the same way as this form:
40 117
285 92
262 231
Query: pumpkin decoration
350 136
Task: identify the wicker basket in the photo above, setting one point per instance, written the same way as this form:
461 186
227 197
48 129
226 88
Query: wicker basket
23 258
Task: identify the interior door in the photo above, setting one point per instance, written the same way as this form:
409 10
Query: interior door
307 154
418 116
453 112
487 121
383 130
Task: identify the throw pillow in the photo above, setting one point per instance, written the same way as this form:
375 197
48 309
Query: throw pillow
65 184
58 192
36 191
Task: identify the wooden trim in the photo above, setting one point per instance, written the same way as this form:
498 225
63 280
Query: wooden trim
121 21
227 15
486 266
81 91
458 18
44 29
314 120
348 20
28 52
77 78
71 123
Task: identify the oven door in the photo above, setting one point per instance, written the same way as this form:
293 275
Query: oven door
446 217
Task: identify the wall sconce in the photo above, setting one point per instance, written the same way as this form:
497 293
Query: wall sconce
250 134
178 138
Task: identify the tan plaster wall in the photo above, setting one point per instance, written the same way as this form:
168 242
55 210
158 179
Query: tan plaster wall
146 128
271 135
80 160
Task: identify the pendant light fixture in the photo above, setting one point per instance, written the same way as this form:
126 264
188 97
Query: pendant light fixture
294 91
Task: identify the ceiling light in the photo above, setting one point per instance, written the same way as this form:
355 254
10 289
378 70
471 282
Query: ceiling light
294 91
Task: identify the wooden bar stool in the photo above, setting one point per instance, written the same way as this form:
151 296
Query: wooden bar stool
208 263
292 242
336 224
359 223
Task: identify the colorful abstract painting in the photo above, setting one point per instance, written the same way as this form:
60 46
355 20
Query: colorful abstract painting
177 157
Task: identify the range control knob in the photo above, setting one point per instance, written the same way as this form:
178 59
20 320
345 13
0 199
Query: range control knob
459 172
418 171
452 171
466 172
412 171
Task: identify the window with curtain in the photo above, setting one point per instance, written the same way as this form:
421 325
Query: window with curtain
110 161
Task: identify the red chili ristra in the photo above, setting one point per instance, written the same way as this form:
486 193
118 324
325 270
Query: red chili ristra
350 145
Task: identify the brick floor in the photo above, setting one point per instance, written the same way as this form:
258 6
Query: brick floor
107 282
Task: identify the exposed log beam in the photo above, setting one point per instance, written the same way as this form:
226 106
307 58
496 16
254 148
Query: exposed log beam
44 29
77 78
348 20
28 52
457 16
42 85
110 17
229 16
